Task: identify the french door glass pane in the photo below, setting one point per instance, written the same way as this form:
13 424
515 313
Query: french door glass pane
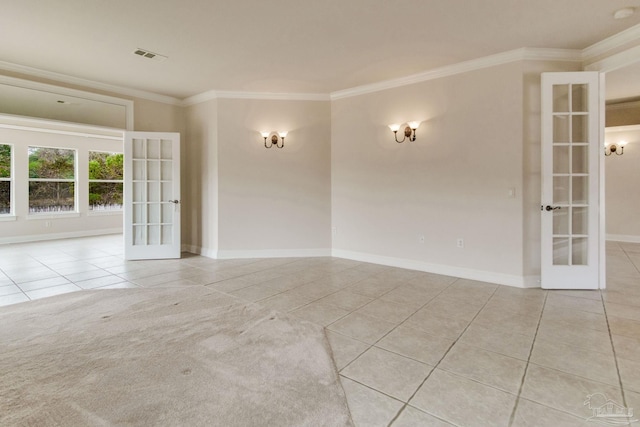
579 128
579 157
580 190
560 98
579 98
560 222
579 224
561 128
579 251
561 251
561 159
560 190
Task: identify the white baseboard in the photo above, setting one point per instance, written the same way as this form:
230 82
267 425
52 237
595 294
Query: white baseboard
266 253
206 252
274 253
55 236
623 238
447 270
463 273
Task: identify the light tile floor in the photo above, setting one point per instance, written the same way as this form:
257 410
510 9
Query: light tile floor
412 348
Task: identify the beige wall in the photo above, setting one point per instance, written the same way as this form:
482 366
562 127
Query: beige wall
200 179
273 200
453 182
622 179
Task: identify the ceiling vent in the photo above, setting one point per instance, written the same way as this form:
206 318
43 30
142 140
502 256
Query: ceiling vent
149 55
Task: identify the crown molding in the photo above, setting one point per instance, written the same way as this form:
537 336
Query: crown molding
536 54
64 78
271 96
615 61
615 41
544 54
615 129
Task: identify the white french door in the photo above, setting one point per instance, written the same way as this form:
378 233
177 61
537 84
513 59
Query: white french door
151 195
571 185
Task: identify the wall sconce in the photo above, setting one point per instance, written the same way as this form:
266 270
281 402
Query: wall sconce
274 139
614 148
409 131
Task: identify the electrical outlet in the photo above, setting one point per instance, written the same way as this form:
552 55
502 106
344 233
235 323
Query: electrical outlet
421 238
47 223
460 243
334 231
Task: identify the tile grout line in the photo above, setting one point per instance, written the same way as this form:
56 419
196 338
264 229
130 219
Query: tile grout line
526 368
613 348
630 260
370 346
395 327
443 356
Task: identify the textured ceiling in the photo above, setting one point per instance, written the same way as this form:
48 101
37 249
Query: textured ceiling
285 45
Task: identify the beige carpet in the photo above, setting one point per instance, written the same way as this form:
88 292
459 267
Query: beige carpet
163 357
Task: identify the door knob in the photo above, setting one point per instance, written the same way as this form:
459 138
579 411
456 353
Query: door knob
174 201
552 208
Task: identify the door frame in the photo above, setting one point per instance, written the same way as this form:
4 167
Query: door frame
611 63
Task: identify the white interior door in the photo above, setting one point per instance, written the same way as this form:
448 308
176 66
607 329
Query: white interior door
151 195
571 153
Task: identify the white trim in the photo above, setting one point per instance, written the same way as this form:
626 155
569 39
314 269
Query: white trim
616 129
60 90
59 132
615 61
551 54
464 67
214 94
8 217
55 236
623 238
273 253
610 43
35 124
64 78
447 270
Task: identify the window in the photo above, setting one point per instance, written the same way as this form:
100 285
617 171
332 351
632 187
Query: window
5 179
51 180
105 181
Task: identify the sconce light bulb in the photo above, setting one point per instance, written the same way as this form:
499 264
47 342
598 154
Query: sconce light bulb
283 134
264 134
622 143
414 125
394 127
